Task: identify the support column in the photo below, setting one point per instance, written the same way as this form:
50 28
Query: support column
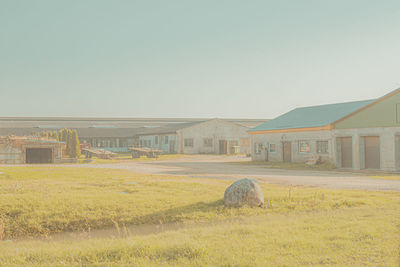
388 151
356 152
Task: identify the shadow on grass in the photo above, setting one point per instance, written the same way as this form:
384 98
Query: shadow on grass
178 214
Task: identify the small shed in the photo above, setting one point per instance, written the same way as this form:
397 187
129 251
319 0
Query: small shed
30 149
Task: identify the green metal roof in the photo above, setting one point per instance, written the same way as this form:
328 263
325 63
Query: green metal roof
315 116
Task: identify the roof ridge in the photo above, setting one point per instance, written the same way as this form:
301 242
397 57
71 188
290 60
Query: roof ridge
338 103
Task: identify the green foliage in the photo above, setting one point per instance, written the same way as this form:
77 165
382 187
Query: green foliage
55 135
75 147
70 137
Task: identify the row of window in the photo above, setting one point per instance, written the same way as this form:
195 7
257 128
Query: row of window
166 140
187 142
304 147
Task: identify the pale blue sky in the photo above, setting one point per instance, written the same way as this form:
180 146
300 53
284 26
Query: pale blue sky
218 58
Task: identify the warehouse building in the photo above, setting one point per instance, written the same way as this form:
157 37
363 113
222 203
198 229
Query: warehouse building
214 136
111 134
354 135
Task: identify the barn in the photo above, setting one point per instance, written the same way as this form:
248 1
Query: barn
353 135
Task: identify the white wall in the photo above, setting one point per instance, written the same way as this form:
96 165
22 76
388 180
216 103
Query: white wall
216 130
294 138
389 145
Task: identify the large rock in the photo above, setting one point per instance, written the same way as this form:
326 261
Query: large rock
244 192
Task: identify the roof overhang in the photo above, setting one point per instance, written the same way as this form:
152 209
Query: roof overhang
294 130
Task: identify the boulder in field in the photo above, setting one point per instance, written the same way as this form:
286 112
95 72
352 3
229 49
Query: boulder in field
244 192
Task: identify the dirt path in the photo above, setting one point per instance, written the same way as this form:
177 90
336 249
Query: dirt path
229 167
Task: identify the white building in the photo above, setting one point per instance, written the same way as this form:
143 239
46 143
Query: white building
214 136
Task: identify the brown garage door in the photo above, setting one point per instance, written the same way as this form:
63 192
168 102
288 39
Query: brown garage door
287 151
346 145
372 152
39 155
223 147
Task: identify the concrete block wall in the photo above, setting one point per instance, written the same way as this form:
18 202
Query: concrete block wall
294 138
389 157
389 146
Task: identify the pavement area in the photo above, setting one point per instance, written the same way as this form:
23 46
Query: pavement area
235 167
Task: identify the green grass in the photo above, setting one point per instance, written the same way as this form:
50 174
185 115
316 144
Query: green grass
338 238
300 226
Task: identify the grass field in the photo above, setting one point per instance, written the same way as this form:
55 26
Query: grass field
300 226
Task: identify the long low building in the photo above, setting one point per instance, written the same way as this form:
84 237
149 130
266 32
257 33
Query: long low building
354 135
112 134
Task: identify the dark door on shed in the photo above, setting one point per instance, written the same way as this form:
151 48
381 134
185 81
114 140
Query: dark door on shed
223 147
346 147
372 152
287 151
172 147
39 155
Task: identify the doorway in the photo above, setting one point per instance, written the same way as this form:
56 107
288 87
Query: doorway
287 151
223 147
346 148
172 147
372 152
39 155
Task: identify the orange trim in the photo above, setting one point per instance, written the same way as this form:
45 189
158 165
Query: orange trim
369 105
309 129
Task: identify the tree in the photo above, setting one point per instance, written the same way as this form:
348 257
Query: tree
44 134
55 135
75 147
71 140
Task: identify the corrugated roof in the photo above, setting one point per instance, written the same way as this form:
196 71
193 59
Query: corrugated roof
314 116
82 132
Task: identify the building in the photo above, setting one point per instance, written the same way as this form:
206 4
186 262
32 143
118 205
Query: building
110 139
29 149
214 136
112 134
354 135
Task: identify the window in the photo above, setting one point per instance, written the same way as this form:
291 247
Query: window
188 142
166 140
156 140
208 142
272 148
304 147
322 147
258 148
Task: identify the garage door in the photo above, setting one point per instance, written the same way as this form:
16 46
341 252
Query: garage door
372 152
346 146
39 155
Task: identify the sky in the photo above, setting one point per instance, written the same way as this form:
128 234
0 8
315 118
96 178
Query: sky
194 59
